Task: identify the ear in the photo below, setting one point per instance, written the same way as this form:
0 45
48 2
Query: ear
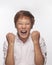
32 24
15 26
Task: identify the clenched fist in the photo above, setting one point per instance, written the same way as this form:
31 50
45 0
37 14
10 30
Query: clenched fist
35 36
10 38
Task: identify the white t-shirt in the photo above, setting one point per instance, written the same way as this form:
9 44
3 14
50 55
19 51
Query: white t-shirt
24 52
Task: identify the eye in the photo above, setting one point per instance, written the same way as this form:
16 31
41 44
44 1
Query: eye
20 23
27 23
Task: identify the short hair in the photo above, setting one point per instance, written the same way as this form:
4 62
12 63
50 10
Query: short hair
23 13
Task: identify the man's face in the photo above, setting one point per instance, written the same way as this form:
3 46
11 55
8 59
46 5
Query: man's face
23 26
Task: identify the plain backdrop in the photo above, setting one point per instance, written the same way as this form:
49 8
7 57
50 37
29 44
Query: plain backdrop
41 9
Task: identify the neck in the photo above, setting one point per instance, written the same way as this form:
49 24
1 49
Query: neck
23 39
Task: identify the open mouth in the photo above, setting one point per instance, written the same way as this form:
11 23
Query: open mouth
23 32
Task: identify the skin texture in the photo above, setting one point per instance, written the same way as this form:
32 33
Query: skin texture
24 24
39 59
10 52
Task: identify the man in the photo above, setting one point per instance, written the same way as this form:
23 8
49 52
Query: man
25 48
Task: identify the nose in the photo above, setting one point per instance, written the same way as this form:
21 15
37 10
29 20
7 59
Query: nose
24 26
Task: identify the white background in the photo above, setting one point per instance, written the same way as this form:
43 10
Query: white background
41 9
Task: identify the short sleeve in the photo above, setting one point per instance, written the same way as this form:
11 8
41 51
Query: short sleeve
43 49
5 46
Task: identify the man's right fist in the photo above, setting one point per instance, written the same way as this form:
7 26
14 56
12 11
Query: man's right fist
10 38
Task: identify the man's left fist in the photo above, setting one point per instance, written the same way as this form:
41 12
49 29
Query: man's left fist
35 36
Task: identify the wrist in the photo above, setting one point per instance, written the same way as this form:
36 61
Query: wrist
36 44
10 44
36 41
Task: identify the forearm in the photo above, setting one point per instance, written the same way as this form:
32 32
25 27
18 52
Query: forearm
39 59
10 55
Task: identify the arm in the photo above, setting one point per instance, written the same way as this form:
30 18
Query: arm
10 51
39 59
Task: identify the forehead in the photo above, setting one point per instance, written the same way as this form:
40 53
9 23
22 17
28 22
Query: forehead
24 17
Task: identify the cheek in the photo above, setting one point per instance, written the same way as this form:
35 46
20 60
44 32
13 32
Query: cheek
18 27
28 27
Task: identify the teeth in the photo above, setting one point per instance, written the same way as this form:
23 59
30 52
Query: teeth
23 32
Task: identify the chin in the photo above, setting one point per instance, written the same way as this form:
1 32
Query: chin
24 36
